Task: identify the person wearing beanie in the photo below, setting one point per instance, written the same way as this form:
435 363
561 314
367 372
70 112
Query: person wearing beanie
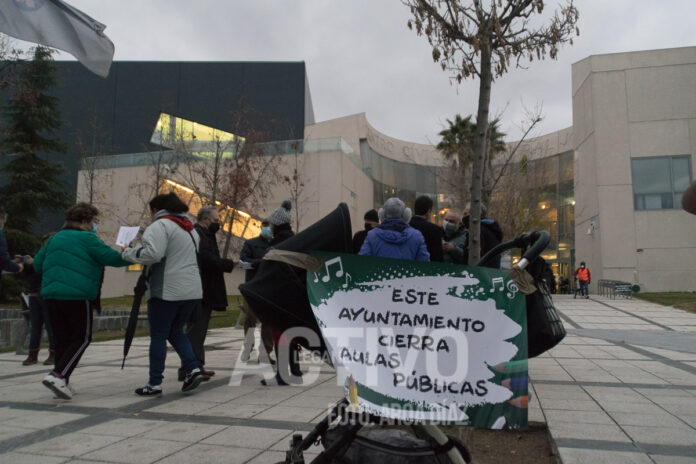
371 221
280 223
287 367
394 238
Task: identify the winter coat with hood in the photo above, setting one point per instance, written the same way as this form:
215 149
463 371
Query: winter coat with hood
394 238
169 247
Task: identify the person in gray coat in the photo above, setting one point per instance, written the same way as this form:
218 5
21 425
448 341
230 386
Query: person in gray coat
170 249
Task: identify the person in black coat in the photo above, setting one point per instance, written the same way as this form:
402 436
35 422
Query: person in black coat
371 221
491 235
287 367
423 209
252 252
212 268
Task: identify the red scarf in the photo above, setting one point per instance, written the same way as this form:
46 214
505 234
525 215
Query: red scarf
181 221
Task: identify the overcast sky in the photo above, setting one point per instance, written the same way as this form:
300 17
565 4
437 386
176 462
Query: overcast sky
361 57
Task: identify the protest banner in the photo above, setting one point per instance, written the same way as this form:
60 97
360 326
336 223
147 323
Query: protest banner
422 341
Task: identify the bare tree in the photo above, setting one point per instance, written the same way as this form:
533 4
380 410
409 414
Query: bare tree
94 145
236 169
470 39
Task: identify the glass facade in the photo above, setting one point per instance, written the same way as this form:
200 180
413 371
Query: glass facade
407 181
242 224
658 182
544 193
195 138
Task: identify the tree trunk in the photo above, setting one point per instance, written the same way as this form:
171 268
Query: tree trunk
228 236
479 154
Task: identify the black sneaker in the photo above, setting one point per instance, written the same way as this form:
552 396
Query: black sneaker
192 380
149 390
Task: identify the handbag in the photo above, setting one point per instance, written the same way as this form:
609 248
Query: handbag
544 326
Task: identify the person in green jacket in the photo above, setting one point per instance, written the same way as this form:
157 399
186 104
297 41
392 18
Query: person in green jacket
71 263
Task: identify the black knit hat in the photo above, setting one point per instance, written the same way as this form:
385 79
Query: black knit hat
371 216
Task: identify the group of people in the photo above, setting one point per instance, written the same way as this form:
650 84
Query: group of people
185 279
396 232
185 283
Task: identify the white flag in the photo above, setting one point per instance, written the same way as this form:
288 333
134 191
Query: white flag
56 24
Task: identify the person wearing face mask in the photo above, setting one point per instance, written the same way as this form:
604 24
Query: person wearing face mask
582 275
455 238
252 252
71 263
371 221
212 268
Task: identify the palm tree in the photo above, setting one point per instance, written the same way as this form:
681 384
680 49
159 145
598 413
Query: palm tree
457 145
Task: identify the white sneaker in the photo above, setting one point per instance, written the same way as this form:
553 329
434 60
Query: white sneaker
57 386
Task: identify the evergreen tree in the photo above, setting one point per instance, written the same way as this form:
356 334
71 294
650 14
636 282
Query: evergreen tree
32 117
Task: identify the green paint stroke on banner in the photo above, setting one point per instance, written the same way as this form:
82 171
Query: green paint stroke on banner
430 342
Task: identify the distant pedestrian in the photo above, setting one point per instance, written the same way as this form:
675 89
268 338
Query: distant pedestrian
582 275
394 238
371 221
212 268
252 252
433 234
71 264
170 249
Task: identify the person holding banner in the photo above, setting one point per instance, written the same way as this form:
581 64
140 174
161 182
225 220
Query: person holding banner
394 238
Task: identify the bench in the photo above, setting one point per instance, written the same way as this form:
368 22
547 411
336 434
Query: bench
612 288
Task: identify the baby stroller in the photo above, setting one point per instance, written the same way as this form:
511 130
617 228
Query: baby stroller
350 440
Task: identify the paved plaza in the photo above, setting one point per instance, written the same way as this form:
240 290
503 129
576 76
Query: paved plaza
620 389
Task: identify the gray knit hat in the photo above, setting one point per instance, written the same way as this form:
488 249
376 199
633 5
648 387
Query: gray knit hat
281 215
394 208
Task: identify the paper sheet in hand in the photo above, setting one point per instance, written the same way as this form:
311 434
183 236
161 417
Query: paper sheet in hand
126 235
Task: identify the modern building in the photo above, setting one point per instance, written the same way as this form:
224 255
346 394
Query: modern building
608 188
634 138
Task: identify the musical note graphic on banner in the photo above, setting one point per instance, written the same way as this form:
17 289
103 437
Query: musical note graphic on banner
316 277
348 277
512 289
327 265
497 280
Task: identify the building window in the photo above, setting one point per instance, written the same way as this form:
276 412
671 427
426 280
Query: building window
658 183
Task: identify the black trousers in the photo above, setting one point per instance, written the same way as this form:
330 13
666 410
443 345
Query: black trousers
71 321
197 330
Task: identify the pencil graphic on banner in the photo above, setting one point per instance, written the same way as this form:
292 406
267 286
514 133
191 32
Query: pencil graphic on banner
353 391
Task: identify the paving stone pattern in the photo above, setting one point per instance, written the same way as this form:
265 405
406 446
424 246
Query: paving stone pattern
620 389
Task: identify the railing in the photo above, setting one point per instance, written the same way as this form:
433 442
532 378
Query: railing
612 288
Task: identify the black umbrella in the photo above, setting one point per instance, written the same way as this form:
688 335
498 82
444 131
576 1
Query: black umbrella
138 292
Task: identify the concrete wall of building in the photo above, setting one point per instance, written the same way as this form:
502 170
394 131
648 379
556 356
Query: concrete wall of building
625 106
355 128
328 179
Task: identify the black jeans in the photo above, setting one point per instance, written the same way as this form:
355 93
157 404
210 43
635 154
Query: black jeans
72 332
38 316
198 329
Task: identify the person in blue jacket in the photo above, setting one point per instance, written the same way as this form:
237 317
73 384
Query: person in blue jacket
394 238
